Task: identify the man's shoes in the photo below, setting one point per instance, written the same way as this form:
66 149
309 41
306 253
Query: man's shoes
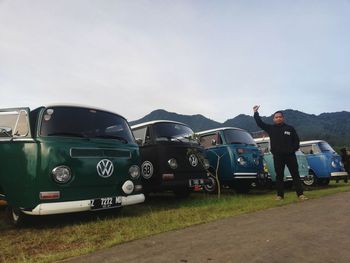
279 198
303 198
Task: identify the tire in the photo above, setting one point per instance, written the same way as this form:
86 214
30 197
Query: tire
310 180
15 216
212 187
182 193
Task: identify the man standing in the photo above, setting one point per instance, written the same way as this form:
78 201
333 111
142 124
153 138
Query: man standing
284 143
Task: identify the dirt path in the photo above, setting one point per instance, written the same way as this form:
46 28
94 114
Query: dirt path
311 231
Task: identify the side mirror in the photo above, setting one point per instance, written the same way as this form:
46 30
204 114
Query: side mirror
5 132
139 141
213 142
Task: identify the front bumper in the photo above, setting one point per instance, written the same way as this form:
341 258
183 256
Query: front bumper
245 176
78 206
339 176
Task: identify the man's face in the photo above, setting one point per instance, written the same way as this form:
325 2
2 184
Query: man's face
278 118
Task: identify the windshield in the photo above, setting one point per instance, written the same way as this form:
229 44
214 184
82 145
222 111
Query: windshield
325 147
84 123
238 137
173 131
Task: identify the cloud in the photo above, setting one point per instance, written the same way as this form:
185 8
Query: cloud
213 58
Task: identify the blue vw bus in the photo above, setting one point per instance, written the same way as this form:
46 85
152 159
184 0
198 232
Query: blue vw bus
324 162
236 156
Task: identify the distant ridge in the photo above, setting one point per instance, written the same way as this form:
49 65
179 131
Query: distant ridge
333 127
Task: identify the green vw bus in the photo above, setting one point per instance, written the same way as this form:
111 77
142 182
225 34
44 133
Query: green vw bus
63 159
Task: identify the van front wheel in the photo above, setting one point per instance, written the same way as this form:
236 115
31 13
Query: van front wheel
15 216
212 186
310 179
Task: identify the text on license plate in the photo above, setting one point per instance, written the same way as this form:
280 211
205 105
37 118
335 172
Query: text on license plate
106 202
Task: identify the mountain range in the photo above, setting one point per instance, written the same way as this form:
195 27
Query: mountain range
333 127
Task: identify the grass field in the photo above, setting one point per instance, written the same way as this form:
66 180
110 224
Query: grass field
52 238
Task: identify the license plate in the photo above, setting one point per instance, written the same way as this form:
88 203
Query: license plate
195 182
105 203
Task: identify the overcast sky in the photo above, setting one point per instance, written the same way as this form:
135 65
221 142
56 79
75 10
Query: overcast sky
216 58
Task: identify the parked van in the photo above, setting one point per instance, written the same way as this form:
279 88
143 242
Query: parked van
62 159
303 167
235 154
172 158
324 162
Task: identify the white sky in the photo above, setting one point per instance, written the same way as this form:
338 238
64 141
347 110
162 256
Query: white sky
216 58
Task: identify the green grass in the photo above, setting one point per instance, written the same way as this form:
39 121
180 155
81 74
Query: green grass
57 237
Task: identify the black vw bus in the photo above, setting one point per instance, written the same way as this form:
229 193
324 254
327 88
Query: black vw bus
172 158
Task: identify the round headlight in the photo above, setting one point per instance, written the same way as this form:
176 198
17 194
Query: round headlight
134 171
61 174
206 164
334 164
128 187
242 161
172 163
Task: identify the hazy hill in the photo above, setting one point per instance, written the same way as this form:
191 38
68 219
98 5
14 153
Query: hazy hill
196 122
333 127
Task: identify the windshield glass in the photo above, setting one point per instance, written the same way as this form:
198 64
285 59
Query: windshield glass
325 147
84 123
172 132
238 137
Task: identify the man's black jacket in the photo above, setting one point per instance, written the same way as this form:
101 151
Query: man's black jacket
283 138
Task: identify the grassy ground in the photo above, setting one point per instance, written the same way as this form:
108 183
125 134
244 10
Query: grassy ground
52 238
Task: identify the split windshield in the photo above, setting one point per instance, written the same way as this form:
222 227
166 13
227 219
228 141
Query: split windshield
239 137
84 123
325 147
173 132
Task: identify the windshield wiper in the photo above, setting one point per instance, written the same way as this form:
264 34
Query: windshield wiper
112 137
70 134
4 131
238 143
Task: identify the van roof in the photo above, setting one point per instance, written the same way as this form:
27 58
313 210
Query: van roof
76 105
154 122
264 139
219 129
311 142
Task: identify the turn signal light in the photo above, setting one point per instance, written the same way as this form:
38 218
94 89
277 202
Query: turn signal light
49 195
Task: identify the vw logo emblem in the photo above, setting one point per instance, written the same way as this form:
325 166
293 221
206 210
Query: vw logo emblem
193 160
105 168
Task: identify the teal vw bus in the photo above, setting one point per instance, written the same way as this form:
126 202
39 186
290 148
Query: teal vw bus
303 167
233 152
62 159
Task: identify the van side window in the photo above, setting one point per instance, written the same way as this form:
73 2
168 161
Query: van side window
14 123
21 129
264 147
306 149
143 134
310 149
210 140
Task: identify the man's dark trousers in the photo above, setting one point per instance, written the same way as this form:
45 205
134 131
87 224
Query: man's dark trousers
280 161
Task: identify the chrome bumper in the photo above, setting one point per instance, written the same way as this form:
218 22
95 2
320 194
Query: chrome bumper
245 175
78 206
339 174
